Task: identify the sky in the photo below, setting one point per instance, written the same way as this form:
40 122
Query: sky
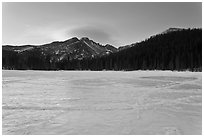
114 23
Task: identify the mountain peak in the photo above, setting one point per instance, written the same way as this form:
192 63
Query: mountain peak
72 39
69 41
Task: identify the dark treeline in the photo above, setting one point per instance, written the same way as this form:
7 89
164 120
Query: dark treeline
179 50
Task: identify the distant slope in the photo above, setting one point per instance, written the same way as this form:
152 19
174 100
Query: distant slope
18 48
172 30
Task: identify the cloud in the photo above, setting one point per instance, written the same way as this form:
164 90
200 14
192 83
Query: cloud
55 32
97 33
41 34
47 32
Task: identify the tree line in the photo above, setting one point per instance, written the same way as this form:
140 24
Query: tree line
179 50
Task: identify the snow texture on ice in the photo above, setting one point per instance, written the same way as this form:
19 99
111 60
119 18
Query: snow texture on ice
107 102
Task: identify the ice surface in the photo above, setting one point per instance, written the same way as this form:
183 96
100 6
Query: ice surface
105 102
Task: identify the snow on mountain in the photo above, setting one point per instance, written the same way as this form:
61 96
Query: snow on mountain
73 48
171 30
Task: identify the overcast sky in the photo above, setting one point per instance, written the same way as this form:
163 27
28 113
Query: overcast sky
114 23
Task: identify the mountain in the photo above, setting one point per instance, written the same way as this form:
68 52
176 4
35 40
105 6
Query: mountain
70 49
18 48
174 49
164 32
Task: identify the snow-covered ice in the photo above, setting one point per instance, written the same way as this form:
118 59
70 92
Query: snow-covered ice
103 102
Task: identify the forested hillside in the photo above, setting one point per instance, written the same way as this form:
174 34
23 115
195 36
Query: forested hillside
174 50
179 50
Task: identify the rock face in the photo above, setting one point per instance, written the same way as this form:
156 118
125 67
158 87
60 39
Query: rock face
73 48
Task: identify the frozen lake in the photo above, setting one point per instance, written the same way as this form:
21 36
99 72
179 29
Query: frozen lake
105 102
